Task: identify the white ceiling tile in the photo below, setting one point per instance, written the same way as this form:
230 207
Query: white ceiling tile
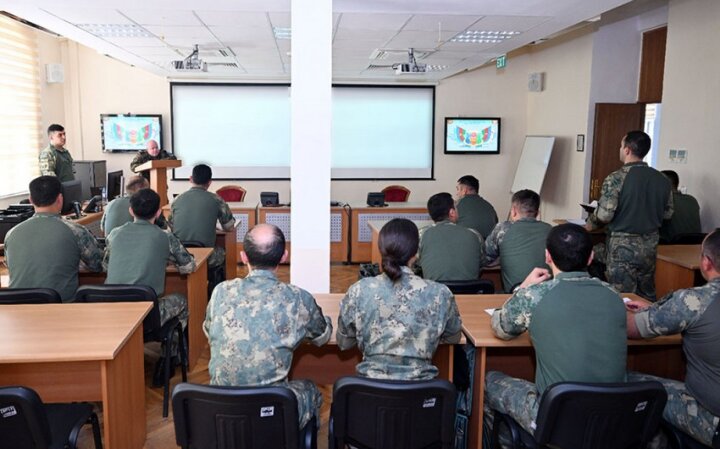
280 19
419 39
426 22
262 33
352 34
155 52
359 44
135 41
168 16
356 21
239 19
166 31
188 42
467 47
88 15
509 23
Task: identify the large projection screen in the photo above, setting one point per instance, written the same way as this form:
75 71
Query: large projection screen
243 131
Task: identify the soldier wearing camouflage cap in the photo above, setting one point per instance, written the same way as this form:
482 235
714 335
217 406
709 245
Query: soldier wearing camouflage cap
692 406
254 324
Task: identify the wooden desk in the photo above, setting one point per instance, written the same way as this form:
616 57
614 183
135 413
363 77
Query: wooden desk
326 364
661 356
81 352
677 266
361 234
92 222
280 217
193 286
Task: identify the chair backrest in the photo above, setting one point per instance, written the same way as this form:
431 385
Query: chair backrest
396 193
231 193
125 293
688 239
385 414
29 296
589 416
23 422
471 287
235 417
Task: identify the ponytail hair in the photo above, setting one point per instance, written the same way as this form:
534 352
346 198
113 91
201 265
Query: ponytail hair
398 244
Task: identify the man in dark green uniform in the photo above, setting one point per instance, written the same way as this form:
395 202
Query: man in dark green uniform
571 318
117 212
686 214
448 252
474 211
633 202
46 250
519 243
153 153
55 159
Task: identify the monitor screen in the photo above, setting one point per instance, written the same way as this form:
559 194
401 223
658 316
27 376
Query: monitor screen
465 135
130 132
114 184
71 191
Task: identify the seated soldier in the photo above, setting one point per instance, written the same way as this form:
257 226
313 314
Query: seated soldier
46 251
397 319
692 406
571 318
137 253
117 212
254 324
448 252
519 243
474 211
686 212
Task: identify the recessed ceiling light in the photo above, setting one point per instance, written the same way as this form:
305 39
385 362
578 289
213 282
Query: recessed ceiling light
484 36
115 30
435 67
282 33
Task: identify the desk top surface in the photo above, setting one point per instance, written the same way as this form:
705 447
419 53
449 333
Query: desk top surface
687 256
67 332
201 255
363 207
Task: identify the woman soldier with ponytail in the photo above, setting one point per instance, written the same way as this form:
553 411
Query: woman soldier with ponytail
397 319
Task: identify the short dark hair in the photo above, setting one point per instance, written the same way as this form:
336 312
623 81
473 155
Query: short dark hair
145 203
55 127
265 255
398 242
201 174
711 248
673 177
439 206
470 181
570 247
638 142
527 201
44 190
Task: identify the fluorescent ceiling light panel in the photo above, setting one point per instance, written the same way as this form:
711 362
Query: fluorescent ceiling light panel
115 30
282 33
484 36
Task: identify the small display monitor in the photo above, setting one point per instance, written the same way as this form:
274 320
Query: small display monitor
376 199
130 132
465 135
269 198
114 184
72 192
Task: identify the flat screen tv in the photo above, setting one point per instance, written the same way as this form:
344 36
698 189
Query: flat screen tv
114 184
476 135
130 132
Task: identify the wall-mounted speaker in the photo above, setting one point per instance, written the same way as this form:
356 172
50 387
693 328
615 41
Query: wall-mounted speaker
54 73
536 82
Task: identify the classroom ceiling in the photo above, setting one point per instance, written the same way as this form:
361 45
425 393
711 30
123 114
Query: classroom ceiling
247 40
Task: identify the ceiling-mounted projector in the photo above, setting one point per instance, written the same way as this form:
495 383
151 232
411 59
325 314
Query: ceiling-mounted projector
192 63
412 67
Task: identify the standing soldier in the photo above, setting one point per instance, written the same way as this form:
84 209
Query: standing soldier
55 159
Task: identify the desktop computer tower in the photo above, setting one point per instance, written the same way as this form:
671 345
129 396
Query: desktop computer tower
93 175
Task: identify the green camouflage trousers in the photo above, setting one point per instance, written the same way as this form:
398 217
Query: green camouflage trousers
217 257
309 399
630 263
514 397
682 410
173 305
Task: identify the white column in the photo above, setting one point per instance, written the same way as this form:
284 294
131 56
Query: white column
311 114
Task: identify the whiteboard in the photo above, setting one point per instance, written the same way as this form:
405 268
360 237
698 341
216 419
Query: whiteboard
533 163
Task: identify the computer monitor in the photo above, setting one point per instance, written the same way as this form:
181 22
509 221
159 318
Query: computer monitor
72 192
114 184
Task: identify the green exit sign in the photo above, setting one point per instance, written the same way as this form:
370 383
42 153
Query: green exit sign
501 61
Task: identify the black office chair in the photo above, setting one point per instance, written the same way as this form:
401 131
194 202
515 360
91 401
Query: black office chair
29 296
152 329
688 239
239 417
385 414
680 440
27 423
471 287
589 416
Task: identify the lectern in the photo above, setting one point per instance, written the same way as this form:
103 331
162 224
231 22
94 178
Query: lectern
158 176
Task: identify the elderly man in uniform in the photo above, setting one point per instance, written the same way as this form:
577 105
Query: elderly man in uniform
55 159
519 243
117 212
633 202
152 153
474 211
692 406
46 250
254 324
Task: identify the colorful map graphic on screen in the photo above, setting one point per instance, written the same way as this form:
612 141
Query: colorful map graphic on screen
127 133
472 135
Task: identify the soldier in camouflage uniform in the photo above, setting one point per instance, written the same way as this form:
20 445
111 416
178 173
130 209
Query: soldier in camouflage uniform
397 319
633 202
117 212
693 406
474 211
55 159
254 324
46 250
519 243
571 317
153 153
686 212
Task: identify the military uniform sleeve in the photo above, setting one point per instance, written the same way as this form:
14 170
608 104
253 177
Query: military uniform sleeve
346 334
225 216
91 256
514 317
608 202
47 163
138 160
319 328
669 207
102 221
168 156
453 324
180 256
492 244
216 299
671 315
106 253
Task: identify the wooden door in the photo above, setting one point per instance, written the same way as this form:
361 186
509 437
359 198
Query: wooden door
612 122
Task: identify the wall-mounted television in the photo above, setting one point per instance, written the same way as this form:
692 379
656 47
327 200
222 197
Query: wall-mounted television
472 135
130 132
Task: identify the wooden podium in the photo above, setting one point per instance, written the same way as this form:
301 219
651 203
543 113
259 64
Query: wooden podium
158 176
